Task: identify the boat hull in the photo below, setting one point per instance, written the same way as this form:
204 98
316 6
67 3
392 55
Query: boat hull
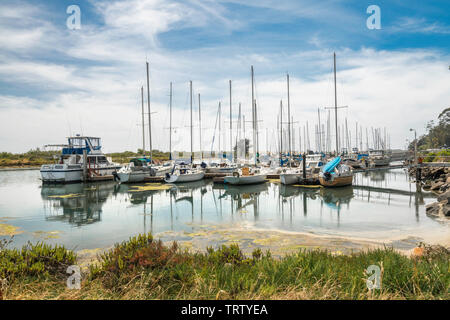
289 178
129 177
69 174
188 177
220 170
337 181
242 180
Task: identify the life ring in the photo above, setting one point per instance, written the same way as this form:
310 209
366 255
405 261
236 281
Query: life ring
236 174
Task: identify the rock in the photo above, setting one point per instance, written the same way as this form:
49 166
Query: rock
444 187
446 210
444 196
447 181
436 185
433 209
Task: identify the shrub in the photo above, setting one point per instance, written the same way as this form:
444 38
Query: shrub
35 260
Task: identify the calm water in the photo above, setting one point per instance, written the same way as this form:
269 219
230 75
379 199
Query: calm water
381 205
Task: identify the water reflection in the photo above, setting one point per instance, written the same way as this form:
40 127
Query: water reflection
378 200
77 204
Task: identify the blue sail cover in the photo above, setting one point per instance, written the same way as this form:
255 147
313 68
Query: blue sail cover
329 167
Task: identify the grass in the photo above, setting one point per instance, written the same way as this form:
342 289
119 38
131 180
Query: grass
144 268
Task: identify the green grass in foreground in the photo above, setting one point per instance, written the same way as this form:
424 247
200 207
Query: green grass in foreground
143 268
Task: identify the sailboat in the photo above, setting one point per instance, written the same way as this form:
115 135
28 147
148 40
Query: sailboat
335 173
185 173
227 166
288 175
248 175
138 168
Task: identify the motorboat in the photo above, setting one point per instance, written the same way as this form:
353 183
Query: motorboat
378 158
82 153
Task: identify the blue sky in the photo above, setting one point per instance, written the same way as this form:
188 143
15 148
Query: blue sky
55 81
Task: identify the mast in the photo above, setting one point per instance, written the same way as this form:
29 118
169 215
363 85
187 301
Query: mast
220 132
192 146
149 115
320 131
253 115
335 105
231 128
170 123
289 119
281 131
143 125
200 126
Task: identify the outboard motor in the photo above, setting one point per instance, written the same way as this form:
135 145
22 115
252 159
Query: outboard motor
203 165
167 176
116 176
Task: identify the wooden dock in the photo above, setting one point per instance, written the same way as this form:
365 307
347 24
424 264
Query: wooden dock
93 178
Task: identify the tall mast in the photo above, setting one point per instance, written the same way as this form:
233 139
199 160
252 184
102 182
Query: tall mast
281 131
231 128
335 105
192 146
170 123
200 126
149 115
289 119
220 132
253 115
320 131
143 125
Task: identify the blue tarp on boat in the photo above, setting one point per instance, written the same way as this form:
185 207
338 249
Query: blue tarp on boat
329 167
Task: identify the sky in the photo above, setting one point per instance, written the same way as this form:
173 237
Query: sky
57 81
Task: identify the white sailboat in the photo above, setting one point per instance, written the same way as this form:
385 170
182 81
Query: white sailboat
248 175
185 173
288 175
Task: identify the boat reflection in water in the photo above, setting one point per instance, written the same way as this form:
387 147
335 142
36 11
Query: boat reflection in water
78 204
241 197
335 198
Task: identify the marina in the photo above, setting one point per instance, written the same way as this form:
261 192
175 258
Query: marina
382 207
224 150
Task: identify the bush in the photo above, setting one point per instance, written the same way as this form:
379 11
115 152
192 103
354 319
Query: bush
135 255
35 260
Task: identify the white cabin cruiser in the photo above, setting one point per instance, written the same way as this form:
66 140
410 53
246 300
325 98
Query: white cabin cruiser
71 163
314 162
378 158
